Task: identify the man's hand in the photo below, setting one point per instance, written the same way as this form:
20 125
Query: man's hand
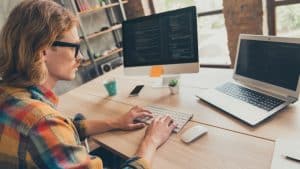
157 134
159 130
127 121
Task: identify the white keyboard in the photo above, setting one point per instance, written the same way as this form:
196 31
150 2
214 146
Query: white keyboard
179 118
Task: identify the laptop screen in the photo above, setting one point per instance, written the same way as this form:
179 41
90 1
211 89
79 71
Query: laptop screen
276 63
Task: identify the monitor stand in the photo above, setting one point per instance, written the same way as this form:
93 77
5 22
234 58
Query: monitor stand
163 81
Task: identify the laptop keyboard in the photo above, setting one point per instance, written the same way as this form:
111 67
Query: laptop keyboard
250 96
179 118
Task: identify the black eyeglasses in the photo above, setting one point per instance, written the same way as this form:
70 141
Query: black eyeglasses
68 44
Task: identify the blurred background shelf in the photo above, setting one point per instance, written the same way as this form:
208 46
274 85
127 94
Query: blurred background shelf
97 8
110 53
115 27
99 32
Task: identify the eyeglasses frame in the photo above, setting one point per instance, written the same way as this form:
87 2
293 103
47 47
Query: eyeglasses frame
67 44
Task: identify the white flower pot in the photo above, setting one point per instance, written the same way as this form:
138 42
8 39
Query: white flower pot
174 90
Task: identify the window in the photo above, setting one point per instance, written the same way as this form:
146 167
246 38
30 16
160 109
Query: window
288 20
284 17
212 35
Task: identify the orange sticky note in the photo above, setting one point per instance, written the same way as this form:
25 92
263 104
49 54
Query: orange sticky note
156 71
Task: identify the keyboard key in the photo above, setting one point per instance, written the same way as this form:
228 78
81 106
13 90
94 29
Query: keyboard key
179 118
250 96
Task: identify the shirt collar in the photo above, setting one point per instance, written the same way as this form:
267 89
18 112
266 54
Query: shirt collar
43 94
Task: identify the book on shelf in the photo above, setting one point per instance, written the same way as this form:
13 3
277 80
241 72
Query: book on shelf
82 5
94 4
88 5
78 6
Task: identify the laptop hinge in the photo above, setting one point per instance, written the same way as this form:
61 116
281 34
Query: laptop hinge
291 99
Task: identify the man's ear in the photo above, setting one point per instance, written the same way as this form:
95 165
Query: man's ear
44 54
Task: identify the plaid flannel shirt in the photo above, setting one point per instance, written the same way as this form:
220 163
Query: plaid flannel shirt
33 134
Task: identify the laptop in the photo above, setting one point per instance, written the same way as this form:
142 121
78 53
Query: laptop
265 79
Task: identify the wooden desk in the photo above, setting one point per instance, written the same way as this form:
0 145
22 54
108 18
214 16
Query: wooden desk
228 144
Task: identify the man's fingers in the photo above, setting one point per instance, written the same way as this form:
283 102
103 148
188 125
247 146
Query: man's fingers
167 119
172 126
143 115
147 114
136 126
144 110
138 109
155 120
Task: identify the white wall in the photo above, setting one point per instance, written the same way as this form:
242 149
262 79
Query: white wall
5 7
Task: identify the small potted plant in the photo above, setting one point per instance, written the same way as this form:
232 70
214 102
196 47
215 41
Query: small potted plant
173 86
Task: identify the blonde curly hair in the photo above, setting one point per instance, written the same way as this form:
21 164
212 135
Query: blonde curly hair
32 26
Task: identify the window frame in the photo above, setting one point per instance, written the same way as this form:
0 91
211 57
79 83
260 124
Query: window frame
211 13
271 12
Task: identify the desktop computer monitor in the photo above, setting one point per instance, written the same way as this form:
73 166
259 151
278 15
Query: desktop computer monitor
167 39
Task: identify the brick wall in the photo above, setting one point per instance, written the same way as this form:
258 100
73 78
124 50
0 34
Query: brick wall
137 8
242 16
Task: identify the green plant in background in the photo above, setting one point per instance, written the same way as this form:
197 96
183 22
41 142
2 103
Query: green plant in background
102 2
173 83
288 19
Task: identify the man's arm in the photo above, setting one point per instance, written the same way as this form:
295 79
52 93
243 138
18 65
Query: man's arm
52 144
157 133
123 122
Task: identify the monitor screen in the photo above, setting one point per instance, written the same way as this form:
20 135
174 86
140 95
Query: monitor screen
161 39
275 63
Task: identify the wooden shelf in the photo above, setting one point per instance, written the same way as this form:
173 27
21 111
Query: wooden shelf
101 8
112 52
115 27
